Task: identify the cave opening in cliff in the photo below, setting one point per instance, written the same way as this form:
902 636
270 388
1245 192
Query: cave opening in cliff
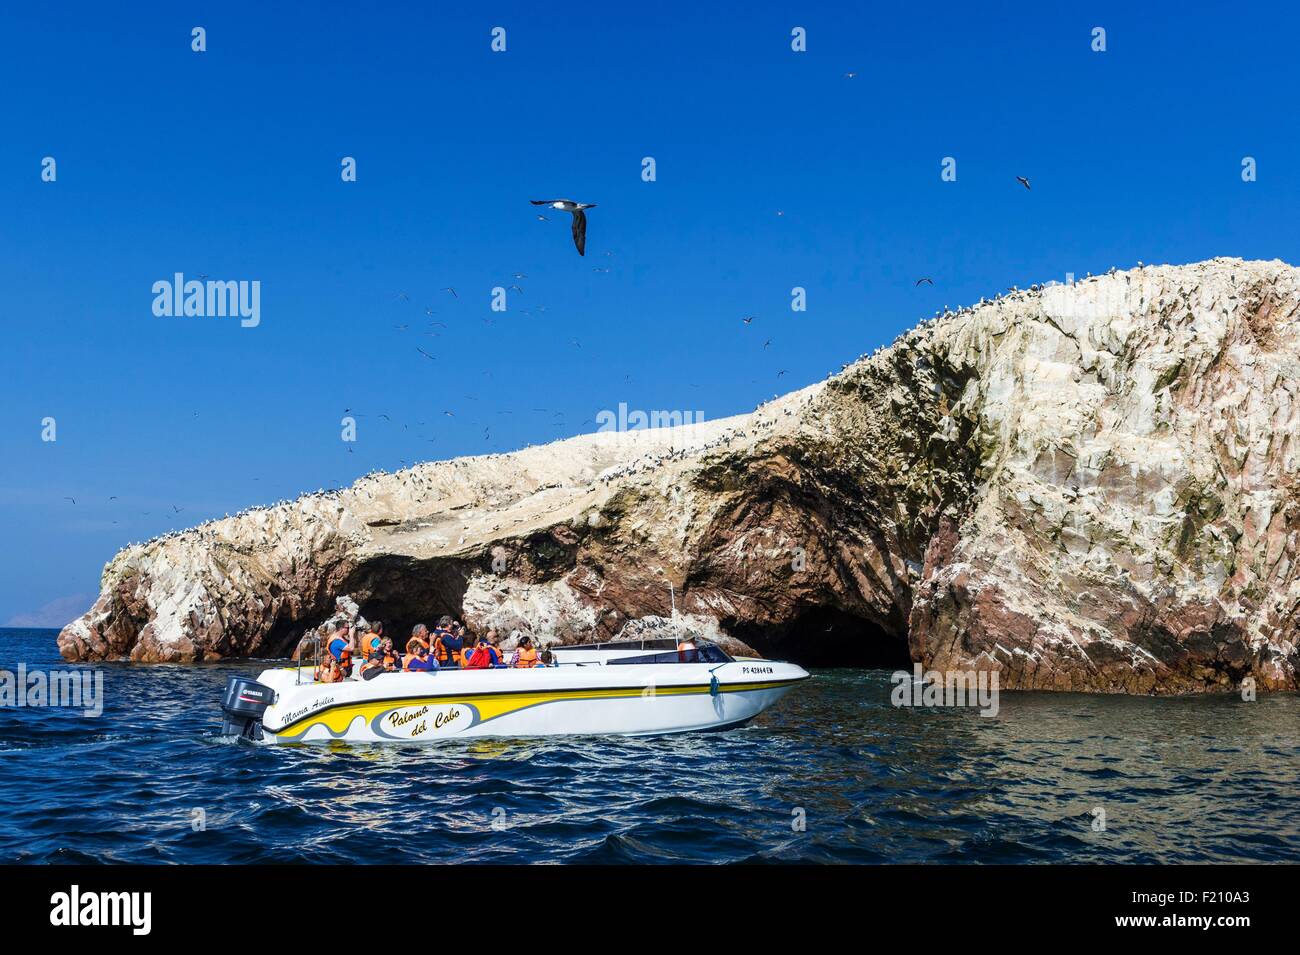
827 637
402 592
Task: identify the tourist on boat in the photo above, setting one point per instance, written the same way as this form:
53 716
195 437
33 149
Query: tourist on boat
371 641
328 671
448 647
524 657
418 657
494 644
373 666
466 640
485 656
340 649
547 659
384 659
419 634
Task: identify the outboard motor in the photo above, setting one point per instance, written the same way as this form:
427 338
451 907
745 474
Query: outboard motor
242 706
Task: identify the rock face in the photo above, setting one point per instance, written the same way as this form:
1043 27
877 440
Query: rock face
1084 487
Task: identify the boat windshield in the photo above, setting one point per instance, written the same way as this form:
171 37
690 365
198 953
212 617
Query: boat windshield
702 653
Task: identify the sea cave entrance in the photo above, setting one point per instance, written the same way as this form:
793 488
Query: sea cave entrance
399 591
827 637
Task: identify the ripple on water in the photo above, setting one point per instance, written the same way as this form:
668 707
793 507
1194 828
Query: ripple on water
834 774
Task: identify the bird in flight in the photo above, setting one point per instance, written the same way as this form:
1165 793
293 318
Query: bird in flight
425 353
72 499
747 319
849 76
452 291
766 343
1023 181
920 280
576 209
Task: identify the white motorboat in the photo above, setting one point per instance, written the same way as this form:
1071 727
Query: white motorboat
638 688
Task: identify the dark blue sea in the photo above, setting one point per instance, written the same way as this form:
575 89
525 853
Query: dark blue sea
1196 779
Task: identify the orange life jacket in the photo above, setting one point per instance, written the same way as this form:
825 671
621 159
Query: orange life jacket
527 657
344 655
439 651
370 643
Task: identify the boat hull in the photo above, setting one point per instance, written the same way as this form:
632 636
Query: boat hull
560 701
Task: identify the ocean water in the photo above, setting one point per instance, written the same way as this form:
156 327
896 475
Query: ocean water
1197 779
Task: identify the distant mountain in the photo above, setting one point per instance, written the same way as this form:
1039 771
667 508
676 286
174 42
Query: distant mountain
53 615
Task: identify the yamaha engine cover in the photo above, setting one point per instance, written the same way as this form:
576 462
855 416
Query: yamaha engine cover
242 707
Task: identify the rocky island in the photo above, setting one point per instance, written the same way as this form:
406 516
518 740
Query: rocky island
1085 486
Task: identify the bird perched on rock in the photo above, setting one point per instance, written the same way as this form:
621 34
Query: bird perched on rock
576 209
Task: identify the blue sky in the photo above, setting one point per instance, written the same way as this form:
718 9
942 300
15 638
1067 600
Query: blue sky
227 163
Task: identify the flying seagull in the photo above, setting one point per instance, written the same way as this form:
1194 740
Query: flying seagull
452 291
425 353
920 280
747 319
579 217
72 499
1023 181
